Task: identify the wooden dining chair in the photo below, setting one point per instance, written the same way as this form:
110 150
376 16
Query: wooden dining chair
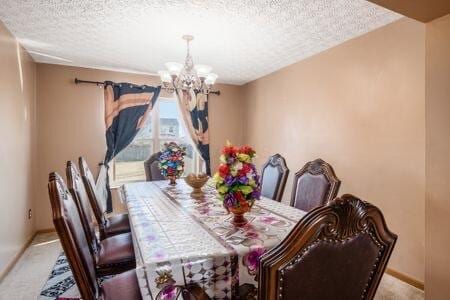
69 227
112 255
337 251
314 185
97 193
151 166
274 175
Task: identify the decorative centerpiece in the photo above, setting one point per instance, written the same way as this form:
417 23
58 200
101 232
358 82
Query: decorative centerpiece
196 181
171 161
237 181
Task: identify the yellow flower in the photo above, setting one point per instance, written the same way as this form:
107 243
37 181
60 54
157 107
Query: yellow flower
222 189
223 159
217 179
244 157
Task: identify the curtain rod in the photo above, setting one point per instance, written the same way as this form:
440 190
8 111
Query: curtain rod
101 84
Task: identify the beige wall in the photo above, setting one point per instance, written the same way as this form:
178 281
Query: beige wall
226 120
17 127
359 106
438 159
70 121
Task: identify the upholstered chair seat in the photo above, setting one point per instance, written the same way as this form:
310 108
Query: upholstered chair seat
273 177
121 287
116 254
117 224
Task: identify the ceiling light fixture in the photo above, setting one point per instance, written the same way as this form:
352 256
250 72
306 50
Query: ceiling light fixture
188 76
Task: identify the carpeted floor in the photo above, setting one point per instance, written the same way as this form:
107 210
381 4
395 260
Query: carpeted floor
29 275
28 278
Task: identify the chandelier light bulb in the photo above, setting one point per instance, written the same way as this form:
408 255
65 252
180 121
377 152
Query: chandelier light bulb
211 78
165 76
174 68
202 70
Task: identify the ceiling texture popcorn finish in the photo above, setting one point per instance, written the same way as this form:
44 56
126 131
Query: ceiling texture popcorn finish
242 39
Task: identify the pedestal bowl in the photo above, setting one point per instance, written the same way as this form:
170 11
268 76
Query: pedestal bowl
196 181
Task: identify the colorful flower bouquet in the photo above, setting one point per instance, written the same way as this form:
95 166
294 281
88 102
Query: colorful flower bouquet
171 161
237 181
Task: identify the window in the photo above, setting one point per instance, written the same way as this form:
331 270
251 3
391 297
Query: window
164 125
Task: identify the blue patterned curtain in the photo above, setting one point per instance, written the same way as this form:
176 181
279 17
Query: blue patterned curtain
127 107
194 109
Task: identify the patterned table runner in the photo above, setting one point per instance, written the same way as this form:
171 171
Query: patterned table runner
180 240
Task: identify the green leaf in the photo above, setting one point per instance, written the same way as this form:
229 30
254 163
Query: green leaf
245 189
222 189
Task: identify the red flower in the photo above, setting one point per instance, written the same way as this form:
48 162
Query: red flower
246 150
245 170
223 170
229 150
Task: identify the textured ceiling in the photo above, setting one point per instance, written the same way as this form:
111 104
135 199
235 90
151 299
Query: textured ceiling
242 40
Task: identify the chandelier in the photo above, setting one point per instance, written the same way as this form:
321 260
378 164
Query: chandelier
188 76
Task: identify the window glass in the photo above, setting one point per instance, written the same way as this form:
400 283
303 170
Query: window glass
129 163
169 125
164 125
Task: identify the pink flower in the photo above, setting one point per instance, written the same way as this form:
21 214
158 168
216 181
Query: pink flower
268 220
151 237
204 210
169 293
252 258
252 234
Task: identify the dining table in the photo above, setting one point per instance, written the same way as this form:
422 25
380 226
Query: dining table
180 240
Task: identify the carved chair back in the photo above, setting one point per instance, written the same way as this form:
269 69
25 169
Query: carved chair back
151 166
70 231
274 175
337 251
98 202
79 194
314 185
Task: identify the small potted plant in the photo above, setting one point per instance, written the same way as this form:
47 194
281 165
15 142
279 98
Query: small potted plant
171 161
237 181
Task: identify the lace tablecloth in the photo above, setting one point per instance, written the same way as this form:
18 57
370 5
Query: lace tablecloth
179 240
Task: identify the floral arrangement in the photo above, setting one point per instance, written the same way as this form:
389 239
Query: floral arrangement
171 159
237 181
